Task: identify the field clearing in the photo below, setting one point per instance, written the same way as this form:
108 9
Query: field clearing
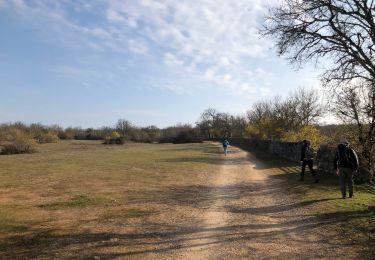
74 188
82 199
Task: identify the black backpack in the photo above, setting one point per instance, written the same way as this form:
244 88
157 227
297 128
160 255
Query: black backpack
344 158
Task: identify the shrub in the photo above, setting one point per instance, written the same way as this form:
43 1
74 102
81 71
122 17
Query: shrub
114 138
16 141
310 133
189 136
50 137
140 136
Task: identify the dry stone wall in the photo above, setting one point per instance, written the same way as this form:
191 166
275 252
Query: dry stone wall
324 156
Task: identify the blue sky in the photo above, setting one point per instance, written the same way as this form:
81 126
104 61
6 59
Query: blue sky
153 62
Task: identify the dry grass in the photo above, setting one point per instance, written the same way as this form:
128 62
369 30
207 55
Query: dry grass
83 199
73 188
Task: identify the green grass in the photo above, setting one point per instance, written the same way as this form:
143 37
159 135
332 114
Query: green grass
353 218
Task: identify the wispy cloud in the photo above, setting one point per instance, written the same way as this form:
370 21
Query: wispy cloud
202 40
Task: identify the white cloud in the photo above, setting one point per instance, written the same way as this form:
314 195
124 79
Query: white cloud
137 46
203 40
171 60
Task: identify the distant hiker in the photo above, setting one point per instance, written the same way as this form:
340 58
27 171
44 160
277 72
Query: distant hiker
307 158
225 146
345 164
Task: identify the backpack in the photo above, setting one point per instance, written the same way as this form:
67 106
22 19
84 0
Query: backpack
344 157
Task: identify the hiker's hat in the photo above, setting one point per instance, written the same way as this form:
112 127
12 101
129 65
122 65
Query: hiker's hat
345 142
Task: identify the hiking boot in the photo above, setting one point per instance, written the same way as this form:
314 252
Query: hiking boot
316 180
351 196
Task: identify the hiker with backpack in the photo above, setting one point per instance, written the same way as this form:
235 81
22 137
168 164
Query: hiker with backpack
307 158
346 164
225 146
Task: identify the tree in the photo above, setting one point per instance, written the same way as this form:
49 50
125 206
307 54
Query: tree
207 122
124 127
152 131
238 126
309 108
343 33
276 116
356 105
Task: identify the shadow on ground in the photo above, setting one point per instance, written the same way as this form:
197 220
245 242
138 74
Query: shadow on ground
156 238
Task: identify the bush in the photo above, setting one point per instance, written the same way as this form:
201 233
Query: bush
114 138
189 136
16 141
310 133
50 137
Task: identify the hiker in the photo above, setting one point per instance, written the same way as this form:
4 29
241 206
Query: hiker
307 158
345 164
225 146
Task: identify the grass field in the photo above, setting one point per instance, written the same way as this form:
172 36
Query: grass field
80 195
72 189
353 218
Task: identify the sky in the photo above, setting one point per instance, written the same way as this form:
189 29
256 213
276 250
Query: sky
152 62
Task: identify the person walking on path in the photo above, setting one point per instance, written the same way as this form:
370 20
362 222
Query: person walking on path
307 158
225 146
345 164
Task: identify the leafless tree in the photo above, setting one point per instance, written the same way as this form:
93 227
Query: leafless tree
356 105
207 121
342 34
124 127
343 31
309 107
277 115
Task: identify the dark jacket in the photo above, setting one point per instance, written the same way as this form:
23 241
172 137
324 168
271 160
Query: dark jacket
306 152
352 157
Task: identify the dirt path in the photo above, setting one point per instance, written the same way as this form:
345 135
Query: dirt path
265 223
242 213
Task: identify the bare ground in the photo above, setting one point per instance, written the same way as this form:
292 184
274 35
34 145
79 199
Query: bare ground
240 213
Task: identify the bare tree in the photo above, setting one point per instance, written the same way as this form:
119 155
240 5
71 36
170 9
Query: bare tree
277 116
342 34
356 105
343 31
124 127
309 108
207 122
238 126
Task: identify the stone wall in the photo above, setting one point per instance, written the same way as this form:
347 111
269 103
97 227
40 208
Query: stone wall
324 156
